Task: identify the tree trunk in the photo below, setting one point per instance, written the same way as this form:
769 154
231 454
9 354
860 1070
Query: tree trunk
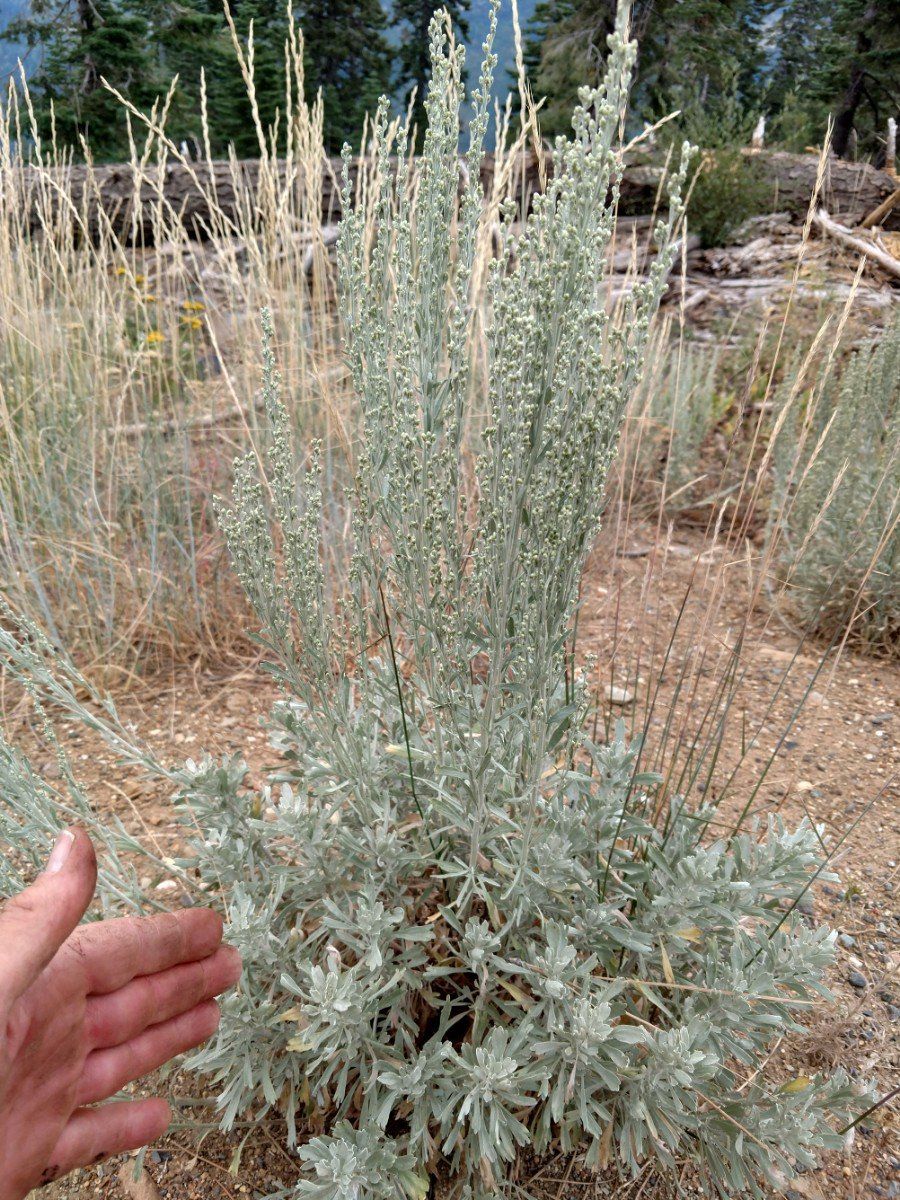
845 120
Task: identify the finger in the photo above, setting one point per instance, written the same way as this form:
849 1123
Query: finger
106 1071
118 1016
93 1134
35 923
112 953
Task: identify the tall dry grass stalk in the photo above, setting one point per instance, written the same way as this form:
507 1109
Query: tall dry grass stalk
125 360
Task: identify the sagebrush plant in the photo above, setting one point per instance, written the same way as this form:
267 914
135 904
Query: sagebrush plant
836 500
468 927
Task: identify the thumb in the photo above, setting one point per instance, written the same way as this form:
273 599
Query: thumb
36 922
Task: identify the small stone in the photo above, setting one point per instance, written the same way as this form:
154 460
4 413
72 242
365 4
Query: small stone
805 904
617 695
881 718
855 979
804 785
790 745
167 885
846 940
142 1188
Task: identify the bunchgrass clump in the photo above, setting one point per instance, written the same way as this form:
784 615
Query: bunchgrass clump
469 926
681 400
836 503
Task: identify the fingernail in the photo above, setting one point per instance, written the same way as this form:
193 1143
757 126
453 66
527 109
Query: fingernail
60 852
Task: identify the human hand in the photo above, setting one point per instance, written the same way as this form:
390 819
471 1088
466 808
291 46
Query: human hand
84 1011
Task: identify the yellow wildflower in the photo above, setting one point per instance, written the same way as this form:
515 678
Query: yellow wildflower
154 337
139 279
193 306
121 271
193 322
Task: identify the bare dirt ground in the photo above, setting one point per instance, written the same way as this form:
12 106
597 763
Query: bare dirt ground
836 763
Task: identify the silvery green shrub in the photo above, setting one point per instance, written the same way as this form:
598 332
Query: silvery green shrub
468 927
836 501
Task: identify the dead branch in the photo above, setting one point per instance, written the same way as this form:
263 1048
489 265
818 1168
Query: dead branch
840 233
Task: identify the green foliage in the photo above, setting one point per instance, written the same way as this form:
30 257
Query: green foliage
346 56
678 40
836 506
139 46
800 61
728 188
840 59
80 46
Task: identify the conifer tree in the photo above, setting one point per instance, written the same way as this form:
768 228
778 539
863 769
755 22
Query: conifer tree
81 43
139 46
411 19
189 39
347 56
855 72
705 42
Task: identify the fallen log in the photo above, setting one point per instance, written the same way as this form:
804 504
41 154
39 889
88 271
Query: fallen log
229 198
849 189
861 245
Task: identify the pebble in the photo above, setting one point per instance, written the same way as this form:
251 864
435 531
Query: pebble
855 979
881 718
167 885
617 695
846 940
